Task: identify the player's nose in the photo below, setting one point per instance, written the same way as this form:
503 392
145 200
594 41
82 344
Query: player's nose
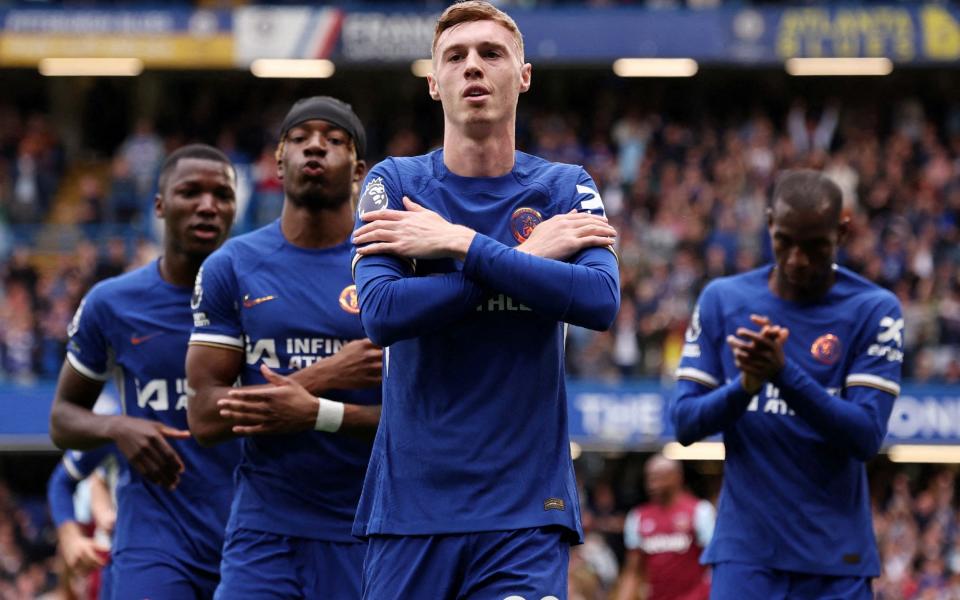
208 203
316 143
797 258
473 66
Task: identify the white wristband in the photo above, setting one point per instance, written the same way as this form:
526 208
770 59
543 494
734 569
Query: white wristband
329 415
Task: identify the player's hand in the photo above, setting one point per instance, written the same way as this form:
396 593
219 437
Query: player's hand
358 365
758 354
562 236
81 553
413 233
145 445
283 406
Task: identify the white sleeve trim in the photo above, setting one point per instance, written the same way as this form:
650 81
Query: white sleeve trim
85 370
353 265
704 519
631 531
873 381
72 469
219 340
697 375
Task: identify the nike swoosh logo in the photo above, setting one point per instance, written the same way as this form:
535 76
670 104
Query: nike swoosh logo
248 303
137 340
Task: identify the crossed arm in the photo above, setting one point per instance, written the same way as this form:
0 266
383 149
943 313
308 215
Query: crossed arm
286 404
584 293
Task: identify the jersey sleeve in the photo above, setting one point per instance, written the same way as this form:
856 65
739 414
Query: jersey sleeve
395 305
632 538
586 198
857 422
88 349
73 468
381 191
216 304
82 464
702 343
60 490
879 354
704 519
702 403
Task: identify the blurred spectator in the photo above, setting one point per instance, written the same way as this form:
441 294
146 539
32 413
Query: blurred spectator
113 262
123 203
143 151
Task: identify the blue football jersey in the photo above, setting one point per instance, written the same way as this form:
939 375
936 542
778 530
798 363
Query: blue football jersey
473 435
135 327
795 494
287 307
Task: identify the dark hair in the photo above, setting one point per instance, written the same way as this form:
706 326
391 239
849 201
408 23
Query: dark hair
201 151
809 190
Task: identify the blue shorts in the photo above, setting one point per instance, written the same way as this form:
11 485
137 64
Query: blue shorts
739 581
526 564
259 565
138 573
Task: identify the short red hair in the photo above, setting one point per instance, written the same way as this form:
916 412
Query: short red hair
475 10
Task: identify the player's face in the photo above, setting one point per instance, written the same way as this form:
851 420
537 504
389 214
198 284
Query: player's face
478 74
318 166
661 481
804 246
198 205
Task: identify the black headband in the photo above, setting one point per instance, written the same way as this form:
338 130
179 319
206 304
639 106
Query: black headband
331 110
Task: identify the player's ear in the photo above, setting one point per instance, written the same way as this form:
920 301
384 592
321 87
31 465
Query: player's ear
526 72
358 171
278 154
432 86
158 205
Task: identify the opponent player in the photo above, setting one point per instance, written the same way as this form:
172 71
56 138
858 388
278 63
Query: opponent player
470 491
797 364
281 299
173 509
664 538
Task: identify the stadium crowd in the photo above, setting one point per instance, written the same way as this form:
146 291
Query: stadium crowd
687 197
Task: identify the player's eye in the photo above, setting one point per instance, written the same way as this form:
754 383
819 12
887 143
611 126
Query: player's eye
454 58
336 141
493 54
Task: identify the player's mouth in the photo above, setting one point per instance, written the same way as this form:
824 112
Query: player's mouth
476 93
313 168
205 231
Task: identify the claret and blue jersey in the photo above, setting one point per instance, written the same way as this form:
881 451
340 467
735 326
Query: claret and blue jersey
795 493
473 435
135 328
287 307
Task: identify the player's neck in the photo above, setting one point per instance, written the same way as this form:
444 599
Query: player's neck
487 153
784 290
179 269
316 228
